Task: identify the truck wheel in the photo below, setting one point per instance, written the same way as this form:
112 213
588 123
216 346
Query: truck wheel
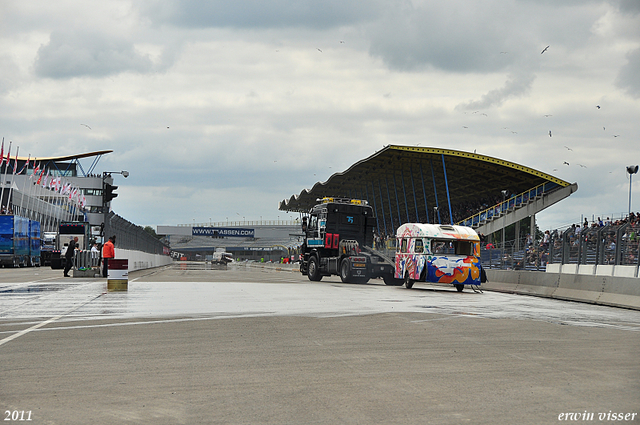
459 287
407 281
392 281
344 271
313 271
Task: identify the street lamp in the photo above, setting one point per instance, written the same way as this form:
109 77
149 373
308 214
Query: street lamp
108 193
631 169
504 222
435 212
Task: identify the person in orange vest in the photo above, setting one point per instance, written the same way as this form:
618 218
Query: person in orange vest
108 251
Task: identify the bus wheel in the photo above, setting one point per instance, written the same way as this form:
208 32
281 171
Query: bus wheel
344 271
313 270
459 287
407 281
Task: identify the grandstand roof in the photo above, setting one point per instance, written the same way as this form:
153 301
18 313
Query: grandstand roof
67 157
401 179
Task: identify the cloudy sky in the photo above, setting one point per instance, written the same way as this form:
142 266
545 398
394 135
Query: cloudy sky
219 110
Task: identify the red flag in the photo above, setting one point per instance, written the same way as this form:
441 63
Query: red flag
40 178
26 164
2 153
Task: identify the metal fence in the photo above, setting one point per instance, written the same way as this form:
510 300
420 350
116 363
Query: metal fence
608 245
613 245
133 237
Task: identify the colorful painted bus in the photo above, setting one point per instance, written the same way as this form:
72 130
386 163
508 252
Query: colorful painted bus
438 253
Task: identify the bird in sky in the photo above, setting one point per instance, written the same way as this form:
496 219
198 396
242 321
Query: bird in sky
598 106
86 126
514 132
464 126
583 166
544 50
568 148
548 115
341 41
566 163
550 133
616 135
320 50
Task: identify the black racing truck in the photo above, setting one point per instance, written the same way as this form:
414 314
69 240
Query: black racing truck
339 236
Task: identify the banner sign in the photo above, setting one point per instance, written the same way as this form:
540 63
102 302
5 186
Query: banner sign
223 232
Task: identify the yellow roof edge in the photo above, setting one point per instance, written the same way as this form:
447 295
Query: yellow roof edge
452 152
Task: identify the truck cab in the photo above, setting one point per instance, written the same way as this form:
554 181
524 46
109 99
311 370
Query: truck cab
339 235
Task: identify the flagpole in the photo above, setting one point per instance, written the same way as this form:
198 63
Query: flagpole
24 182
1 164
50 205
4 179
34 213
13 178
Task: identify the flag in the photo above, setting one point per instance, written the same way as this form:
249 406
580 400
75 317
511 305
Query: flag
15 163
35 172
2 153
26 164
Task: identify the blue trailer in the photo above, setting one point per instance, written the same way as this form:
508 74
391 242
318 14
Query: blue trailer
35 243
14 241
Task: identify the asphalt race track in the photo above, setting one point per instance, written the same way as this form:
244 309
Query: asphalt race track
267 346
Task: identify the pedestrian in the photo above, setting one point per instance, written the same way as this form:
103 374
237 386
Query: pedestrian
68 256
108 251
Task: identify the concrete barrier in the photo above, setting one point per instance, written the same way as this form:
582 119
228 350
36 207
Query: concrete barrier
141 260
600 289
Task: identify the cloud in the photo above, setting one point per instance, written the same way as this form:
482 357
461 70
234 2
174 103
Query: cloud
630 6
479 37
74 54
414 38
8 75
514 87
629 76
263 14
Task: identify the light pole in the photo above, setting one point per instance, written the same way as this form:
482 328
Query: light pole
504 223
108 193
435 212
631 169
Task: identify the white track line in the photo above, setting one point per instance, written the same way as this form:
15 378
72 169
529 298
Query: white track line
46 322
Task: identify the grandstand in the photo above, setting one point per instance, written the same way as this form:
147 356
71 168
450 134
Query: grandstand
434 185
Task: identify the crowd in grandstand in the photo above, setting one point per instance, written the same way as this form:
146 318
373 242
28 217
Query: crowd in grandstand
608 233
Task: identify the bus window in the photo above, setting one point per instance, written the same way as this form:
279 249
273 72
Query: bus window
419 248
464 248
403 247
